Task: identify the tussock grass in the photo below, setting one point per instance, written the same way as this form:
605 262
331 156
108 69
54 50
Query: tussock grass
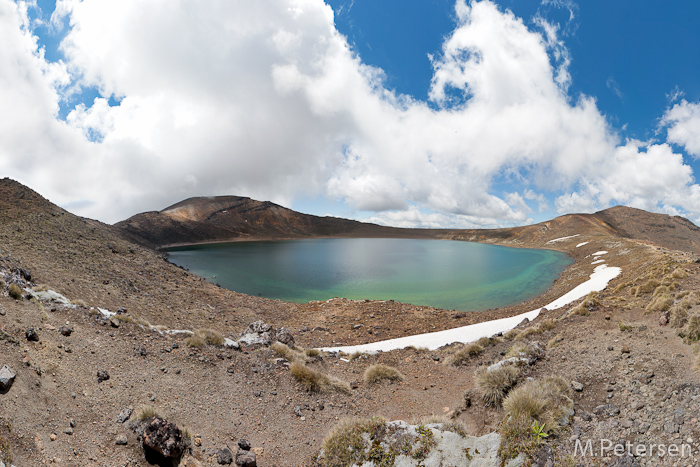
313 353
528 332
648 287
525 351
548 324
484 342
82 304
356 355
15 291
202 337
660 303
125 318
678 316
316 381
693 332
512 334
583 308
146 413
634 291
661 290
494 384
623 326
463 355
288 353
545 402
376 373
696 365
679 274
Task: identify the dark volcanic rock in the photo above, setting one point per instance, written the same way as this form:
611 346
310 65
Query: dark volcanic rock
65 330
224 457
102 376
246 459
31 335
162 438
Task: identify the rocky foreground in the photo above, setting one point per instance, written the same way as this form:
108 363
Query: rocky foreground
92 374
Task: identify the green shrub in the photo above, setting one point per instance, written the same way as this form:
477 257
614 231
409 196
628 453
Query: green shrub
379 372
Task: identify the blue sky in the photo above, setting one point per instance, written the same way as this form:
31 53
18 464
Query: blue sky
432 113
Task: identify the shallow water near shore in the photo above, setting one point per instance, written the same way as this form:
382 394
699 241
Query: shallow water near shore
439 273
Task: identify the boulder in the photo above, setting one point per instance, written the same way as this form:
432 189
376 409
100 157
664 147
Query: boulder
163 438
65 330
284 336
7 376
246 459
224 457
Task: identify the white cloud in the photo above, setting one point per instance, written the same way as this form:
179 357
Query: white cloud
683 122
268 100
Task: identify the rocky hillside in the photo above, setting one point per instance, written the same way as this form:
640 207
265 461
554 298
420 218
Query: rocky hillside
232 218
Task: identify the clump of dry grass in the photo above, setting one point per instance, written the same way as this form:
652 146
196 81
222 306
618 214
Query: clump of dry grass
316 381
660 303
202 337
495 383
464 354
634 291
648 287
679 274
693 332
696 365
15 291
528 332
678 316
583 308
537 403
512 334
484 342
313 353
288 353
146 413
375 373
356 355
661 290
547 324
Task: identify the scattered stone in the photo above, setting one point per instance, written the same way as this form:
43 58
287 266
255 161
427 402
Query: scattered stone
663 319
114 322
297 411
625 349
7 377
285 337
124 415
224 457
65 330
102 376
436 358
121 440
141 351
244 444
611 348
356 326
68 431
578 387
459 315
607 409
31 335
246 459
52 436
163 438
2 312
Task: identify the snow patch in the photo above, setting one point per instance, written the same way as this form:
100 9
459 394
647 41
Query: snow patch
598 253
562 238
598 281
598 261
105 312
581 244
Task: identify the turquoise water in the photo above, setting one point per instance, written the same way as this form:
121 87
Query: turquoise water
440 273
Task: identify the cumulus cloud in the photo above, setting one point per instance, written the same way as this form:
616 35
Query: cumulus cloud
683 125
268 100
